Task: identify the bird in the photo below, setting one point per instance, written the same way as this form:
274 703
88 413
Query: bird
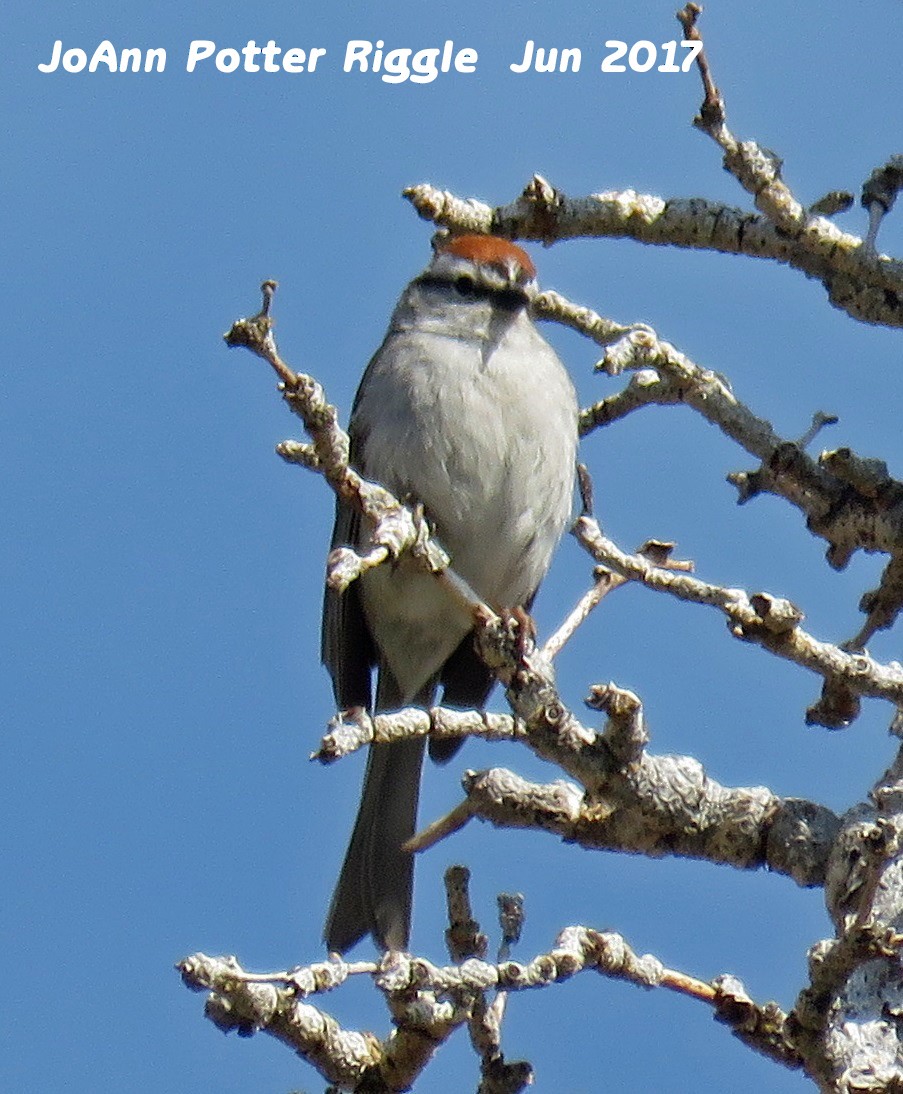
466 412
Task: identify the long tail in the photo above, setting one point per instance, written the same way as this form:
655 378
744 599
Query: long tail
374 890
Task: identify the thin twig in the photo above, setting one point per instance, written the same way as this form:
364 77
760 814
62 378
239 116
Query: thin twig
605 583
439 829
768 621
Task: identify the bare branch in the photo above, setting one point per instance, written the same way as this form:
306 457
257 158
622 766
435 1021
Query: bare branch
868 287
628 800
852 287
511 920
394 527
850 501
712 110
304 395
273 1003
602 331
625 733
763 1027
463 938
879 192
353 729
656 551
653 805
591 599
756 169
841 1020
744 827
440 829
760 618
305 455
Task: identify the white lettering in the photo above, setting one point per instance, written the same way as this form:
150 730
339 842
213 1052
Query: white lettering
527 60
227 60
294 59
250 51
155 57
125 60
199 51
570 60
105 54
357 52
424 67
396 66
74 60
642 56
548 60
543 65
130 57
403 63
251 54
54 63
269 57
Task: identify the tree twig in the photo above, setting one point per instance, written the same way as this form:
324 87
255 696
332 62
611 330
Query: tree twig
273 1003
764 620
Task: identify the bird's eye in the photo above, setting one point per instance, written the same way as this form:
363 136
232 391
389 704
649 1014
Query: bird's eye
464 285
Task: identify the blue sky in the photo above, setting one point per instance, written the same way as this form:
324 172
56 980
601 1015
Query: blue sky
162 568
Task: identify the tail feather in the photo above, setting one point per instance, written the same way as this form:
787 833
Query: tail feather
374 891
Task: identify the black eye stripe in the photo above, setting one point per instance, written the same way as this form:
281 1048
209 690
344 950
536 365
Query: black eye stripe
466 287
510 299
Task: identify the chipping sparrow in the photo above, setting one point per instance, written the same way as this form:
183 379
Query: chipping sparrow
466 409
